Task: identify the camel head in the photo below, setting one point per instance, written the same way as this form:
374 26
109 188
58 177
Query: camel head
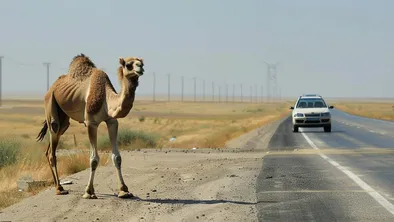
132 66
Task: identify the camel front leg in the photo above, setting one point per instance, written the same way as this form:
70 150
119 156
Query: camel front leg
112 125
94 160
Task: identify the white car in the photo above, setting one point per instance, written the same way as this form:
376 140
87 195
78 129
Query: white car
311 111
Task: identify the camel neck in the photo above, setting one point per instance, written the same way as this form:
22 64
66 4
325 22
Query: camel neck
127 95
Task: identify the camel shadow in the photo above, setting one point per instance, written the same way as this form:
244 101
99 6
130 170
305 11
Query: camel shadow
188 201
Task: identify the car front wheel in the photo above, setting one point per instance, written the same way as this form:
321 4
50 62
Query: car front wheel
327 129
295 129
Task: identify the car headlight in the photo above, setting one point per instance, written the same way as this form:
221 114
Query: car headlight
299 115
325 114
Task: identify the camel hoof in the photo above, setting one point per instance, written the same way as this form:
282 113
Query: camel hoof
89 196
123 194
61 192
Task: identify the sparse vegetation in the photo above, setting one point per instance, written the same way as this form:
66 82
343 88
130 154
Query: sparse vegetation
9 150
377 110
192 125
128 140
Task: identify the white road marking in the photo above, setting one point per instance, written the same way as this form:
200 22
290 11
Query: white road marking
373 193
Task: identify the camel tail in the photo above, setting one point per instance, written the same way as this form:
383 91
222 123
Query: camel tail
43 131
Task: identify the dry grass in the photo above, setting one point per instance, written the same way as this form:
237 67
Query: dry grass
148 125
31 161
193 124
378 110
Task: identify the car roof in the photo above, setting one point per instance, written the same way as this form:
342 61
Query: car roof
311 95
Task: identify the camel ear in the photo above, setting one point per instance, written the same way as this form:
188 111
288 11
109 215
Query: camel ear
121 61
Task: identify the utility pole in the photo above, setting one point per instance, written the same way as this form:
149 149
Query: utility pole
1 73
154 87
274 78
169 86
256 89
251 94
226 93
220 92
213 92
203 89
242 96
268 81
47 64
183 83
195 90
262 93
233 93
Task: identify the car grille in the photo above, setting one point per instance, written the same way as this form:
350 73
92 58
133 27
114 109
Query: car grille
312 114
312 121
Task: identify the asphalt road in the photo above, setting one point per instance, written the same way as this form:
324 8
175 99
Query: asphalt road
351 186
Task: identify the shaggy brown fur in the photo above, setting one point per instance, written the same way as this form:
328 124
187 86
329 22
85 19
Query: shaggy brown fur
98 82
81 67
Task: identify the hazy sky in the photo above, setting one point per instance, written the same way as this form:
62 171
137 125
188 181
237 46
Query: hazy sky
335 48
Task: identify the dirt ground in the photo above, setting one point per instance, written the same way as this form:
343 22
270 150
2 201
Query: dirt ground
170 185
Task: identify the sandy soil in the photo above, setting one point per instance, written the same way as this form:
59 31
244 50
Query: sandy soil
170 185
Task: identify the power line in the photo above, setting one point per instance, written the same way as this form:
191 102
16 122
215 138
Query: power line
47 64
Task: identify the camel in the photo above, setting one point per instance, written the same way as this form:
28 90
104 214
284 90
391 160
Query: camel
87 96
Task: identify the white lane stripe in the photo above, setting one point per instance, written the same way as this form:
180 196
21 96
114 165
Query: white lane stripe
373 193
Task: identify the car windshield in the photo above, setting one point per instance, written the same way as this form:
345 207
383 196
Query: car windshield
311 103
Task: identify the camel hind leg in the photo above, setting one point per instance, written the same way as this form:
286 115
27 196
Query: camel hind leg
57 122
51 154
49 162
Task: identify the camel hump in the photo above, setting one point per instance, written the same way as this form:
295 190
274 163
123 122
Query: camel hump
97 91
81 67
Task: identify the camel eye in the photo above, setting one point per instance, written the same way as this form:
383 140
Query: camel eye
129 66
